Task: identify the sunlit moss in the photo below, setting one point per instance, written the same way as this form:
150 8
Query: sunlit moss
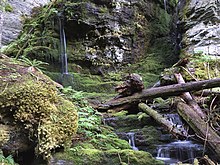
31 101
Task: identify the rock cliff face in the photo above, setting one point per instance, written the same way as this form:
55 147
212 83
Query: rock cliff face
106 34
201 20
12 23
116 31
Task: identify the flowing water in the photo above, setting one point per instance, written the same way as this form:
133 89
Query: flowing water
165 5
184 151
63 45
131 140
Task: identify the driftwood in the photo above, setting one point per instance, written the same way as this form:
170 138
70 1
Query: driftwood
200 127
161 120
170 90
186 96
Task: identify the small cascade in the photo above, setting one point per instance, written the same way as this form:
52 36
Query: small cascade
131 140
176 121
63 53
184 151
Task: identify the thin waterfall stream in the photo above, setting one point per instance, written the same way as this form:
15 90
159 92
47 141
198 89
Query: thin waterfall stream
165 5
63 53
131 140
66 78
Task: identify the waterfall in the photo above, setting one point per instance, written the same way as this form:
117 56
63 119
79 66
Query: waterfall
131 140
63 53
1 28
165 5
184 151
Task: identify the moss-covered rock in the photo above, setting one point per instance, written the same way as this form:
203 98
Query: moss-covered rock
114 156
32 110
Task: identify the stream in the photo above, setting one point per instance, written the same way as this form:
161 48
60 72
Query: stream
170 151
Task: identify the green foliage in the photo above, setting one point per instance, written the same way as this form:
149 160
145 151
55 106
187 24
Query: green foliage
161 24
5 6
6 160
38 38
203 66
33 63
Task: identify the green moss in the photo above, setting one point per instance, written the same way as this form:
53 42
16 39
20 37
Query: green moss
8 8
114 156
91 83
32 102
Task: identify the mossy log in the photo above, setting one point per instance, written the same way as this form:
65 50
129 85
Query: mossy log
164 91
161 120
200 127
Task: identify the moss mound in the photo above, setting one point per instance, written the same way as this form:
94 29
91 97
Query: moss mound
30 105
114 156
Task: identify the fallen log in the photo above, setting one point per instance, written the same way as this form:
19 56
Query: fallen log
200 127
170 90
178 133
187 97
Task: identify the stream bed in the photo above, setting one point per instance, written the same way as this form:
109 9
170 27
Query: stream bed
164 147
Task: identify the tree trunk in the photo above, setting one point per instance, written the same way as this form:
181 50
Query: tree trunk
186 96
161 120
170 90
200 127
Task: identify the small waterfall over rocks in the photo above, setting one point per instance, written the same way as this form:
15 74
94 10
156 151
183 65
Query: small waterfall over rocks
184 151
131 140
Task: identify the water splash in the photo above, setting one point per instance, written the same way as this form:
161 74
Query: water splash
131 140
63 53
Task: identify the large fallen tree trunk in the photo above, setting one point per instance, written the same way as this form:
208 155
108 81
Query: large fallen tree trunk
187 97
200 127
169 126
170 90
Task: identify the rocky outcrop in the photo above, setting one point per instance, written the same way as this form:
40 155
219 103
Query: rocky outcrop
201 20
13 19
104 35
115 32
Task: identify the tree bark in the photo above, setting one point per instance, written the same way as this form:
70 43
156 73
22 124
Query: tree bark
170 90
200 127
161 120
186 96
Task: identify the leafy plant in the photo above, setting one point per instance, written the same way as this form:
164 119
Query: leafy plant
33 63
6 160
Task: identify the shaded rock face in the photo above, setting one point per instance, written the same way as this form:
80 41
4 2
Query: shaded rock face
202 27
111 32
12 21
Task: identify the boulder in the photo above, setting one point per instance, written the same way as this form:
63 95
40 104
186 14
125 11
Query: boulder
32 113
